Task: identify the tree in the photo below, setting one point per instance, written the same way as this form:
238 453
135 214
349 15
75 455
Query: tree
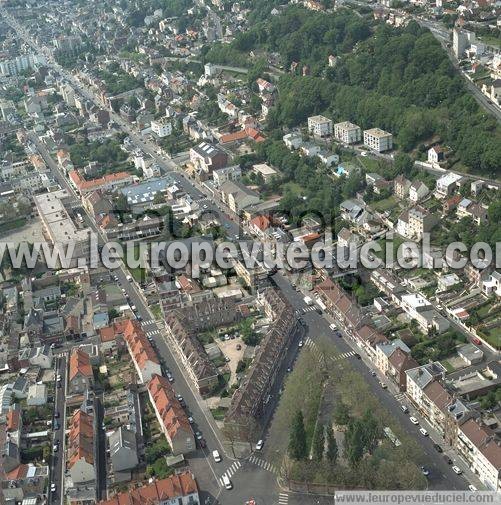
341 414
319 442
332 449
297 438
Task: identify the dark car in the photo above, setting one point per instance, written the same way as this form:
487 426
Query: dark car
202 443
438 448
447 459
358 356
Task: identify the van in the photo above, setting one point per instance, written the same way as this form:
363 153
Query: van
216 456
227 482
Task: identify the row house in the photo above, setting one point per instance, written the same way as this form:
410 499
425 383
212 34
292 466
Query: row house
340 304
179 489
248 402
171 416
80 448
480 447
393 360
108 182
81 377
418 379
141 351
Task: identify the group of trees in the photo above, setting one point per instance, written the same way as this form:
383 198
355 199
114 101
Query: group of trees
297 35
116 80
107 152
388 81
362 436
324 445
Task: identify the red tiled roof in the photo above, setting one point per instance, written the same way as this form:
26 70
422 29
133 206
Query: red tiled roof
81 438
80 363
13 420
82 184
173 415
163 490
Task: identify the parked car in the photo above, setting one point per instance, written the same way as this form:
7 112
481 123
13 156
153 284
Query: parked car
438 448
447 459
457 470
425 471
404 409
216 456
259 445
471 487
413 420
198 435
423 432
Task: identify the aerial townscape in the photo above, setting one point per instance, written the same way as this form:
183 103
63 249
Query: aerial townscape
249 126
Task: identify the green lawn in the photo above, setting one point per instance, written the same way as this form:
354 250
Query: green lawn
384 205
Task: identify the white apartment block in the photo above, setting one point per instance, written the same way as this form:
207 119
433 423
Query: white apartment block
161 127
347 132
320 126
378 140
447 184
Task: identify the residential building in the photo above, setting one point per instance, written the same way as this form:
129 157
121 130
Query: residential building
81 377
184 323
265 171
419 308
347 133
80 447
171 416
417 191
447 184
222 175
250 398
481 448
161 127
237 196
473 210
416 221
378 140
417 380
492 285
141 351
320 126
293 140
108 182
206 158
401 187
435 154
435 402
37 395
178 489
123 450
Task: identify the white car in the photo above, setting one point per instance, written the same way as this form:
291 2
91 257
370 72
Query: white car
457 470
216 456
471 487
332 326
227 482
300 343
423 432
53 487
413 420
259 445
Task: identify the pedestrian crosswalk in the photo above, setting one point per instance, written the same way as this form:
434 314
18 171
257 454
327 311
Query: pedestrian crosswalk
400 397
344 355
309 308
231 471
283 499
265 465
152 333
